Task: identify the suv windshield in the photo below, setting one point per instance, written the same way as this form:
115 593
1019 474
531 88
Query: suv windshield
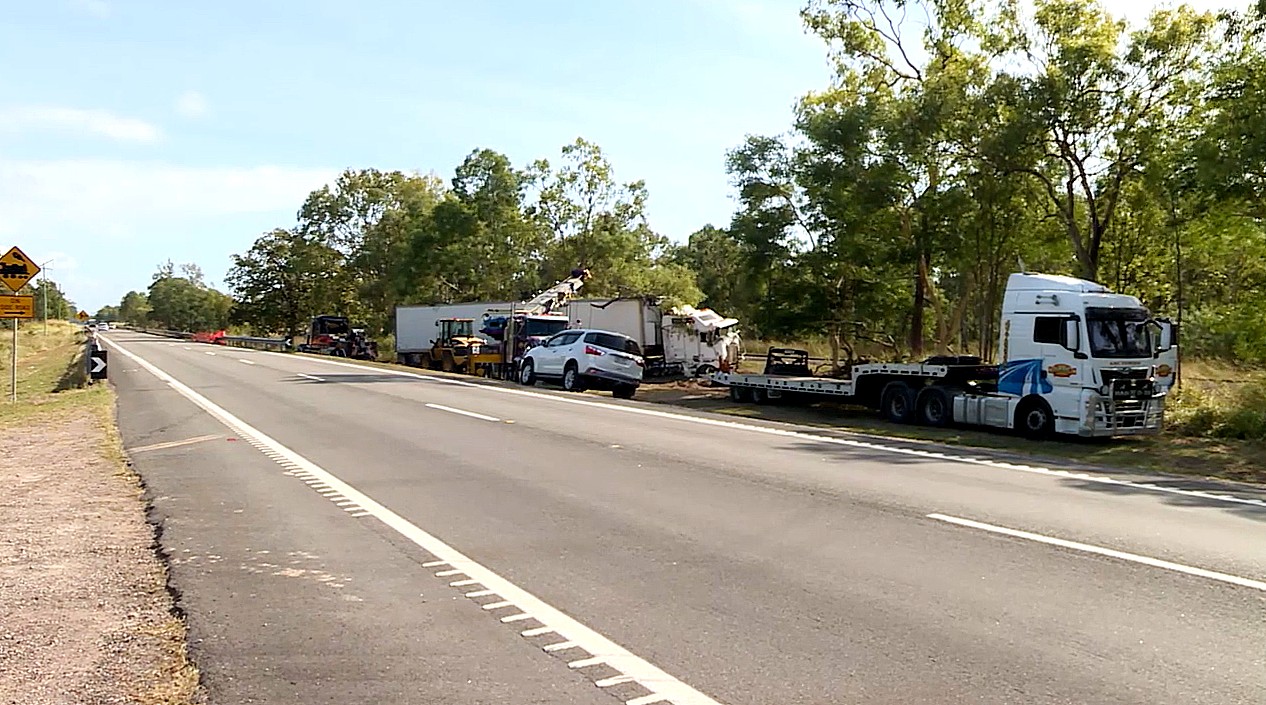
1116 332
545 326
611 341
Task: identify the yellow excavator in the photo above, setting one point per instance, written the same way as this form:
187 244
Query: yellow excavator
458 349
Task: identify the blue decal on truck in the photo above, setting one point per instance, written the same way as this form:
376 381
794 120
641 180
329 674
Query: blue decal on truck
1023 377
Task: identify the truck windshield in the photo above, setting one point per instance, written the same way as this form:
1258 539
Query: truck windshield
545 326
1116 332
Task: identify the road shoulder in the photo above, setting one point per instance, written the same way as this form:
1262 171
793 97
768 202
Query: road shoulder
86 615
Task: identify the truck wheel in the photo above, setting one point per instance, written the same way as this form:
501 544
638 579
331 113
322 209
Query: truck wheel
571 379
338 352
527 374
741 395
934 407
897 402
1034 419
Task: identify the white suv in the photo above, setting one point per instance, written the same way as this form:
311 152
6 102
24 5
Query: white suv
580 359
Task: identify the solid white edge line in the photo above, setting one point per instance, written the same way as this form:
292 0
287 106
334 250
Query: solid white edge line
638 669
1099 550
930 454
463 412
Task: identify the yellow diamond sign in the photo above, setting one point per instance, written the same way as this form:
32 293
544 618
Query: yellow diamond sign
16 269
82 315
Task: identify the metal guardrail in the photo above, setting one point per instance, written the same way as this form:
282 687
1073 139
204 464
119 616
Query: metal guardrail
242 341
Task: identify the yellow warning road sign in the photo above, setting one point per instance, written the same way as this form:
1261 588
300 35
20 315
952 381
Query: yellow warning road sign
82 315
17 307
16 269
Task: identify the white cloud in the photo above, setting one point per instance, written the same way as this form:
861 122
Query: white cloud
108 222
191 104
77 121
96 8
110 197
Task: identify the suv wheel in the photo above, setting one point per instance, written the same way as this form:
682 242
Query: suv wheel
527 374
571 378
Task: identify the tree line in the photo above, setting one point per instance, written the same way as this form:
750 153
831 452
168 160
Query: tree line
956 142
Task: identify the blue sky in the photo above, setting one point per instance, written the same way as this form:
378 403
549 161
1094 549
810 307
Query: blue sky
136 131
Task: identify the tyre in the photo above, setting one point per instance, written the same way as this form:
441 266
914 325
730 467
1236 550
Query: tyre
571 378
705 371
1034 419
338 352
741 395
624 391
934 407
527 374
897 402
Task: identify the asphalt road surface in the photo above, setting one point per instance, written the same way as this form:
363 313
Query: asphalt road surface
349 534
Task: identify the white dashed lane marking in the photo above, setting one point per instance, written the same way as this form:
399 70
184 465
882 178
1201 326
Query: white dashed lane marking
768 430
1100 550
660 686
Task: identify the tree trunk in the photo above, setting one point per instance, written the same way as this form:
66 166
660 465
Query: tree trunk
916 318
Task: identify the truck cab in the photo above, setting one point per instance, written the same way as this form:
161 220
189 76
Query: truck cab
1076 358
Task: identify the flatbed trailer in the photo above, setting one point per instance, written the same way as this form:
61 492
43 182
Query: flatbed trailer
891 387
1076 359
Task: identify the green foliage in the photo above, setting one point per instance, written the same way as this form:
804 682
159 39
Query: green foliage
50 299
284 280
185 303
373 240
1231 411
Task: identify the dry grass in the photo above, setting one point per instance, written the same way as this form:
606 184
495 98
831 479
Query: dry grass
64 458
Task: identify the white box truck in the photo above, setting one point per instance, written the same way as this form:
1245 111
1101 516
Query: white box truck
687 340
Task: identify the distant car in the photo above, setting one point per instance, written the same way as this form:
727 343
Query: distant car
587 359
103 326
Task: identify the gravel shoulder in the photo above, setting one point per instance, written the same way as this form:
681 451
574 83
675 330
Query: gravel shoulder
85 615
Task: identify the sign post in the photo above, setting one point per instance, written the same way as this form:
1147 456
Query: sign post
16 269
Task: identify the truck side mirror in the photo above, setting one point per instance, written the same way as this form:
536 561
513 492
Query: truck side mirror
1165 336
1072 335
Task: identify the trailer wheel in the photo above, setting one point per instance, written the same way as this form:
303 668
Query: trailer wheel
897 402
1034 419
741 395
934 407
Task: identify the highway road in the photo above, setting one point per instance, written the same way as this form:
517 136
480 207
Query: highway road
340 533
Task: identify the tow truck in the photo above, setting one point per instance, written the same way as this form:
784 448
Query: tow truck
1076 359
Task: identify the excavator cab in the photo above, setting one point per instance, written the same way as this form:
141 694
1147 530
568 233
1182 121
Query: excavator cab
457 348
456 329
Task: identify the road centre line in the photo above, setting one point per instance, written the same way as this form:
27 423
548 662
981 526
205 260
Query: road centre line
245 362
1099 550
662 685
473 415
867 445
311 377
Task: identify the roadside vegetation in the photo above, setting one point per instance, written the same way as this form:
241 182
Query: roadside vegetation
75 524
1053 136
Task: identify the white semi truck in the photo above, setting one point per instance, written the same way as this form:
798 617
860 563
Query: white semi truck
1075 359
